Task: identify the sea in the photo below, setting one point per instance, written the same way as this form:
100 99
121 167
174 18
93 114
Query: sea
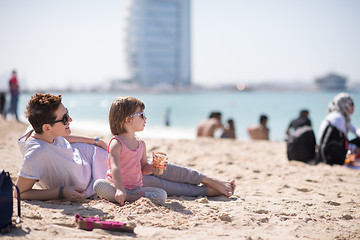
89 110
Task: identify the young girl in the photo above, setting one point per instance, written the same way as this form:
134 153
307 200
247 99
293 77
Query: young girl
127 156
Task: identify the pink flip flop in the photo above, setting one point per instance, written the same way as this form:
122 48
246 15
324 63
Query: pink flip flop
93 222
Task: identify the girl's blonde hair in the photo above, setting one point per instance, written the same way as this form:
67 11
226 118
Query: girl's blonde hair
121 108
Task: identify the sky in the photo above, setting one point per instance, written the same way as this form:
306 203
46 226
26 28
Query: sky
67 43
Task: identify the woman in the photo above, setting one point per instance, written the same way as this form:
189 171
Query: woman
332 138
65 166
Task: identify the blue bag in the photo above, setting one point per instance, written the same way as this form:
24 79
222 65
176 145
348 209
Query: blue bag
6 202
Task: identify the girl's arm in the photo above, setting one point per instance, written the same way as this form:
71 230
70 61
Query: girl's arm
146 168
92 141
115 165
27 192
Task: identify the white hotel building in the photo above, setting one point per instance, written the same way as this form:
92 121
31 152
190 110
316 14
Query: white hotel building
157 42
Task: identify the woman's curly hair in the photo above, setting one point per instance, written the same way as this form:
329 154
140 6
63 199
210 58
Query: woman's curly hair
41 110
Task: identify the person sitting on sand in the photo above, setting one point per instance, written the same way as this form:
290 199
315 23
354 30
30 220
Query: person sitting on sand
207 127
332 138
65 166
127 156
302 120
229 131
261 131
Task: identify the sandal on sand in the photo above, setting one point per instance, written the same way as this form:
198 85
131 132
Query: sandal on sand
93 222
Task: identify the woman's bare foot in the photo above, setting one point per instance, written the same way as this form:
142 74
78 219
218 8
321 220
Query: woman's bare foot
217 187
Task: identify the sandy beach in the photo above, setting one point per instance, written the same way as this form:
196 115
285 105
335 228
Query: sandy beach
274 198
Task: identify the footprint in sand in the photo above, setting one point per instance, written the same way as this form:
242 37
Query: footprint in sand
347 217
333 203
303 189
264 220
288 214
261 211
225 217
36 217
310 180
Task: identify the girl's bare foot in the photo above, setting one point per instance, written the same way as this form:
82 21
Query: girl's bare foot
217 187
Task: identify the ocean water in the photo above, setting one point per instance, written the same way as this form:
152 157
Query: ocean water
90 110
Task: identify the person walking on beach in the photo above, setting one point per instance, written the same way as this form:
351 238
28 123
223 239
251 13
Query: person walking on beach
261 131
14 95
127 156
2 104
207 127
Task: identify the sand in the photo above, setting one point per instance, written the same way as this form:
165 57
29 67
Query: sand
274 199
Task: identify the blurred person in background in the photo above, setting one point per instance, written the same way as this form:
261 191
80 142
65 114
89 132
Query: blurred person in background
261 131
207 127
2 104
229 131
14 95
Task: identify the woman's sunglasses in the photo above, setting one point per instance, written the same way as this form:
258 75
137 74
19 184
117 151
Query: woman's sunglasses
142 114
64 119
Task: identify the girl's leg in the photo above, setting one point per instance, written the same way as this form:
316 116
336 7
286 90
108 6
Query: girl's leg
153 193
181 174
174 188
105 189
217 187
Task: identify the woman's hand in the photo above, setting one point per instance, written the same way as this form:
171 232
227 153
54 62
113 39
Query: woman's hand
120 196
73 193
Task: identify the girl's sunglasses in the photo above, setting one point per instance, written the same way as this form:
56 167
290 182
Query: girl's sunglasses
142 114
64 119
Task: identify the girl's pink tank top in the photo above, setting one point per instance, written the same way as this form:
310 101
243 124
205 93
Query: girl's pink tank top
130 165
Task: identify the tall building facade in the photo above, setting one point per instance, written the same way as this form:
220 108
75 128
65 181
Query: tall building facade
158 42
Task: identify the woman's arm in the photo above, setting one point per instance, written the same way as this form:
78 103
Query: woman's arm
27 192
25 186
92 141
146 168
